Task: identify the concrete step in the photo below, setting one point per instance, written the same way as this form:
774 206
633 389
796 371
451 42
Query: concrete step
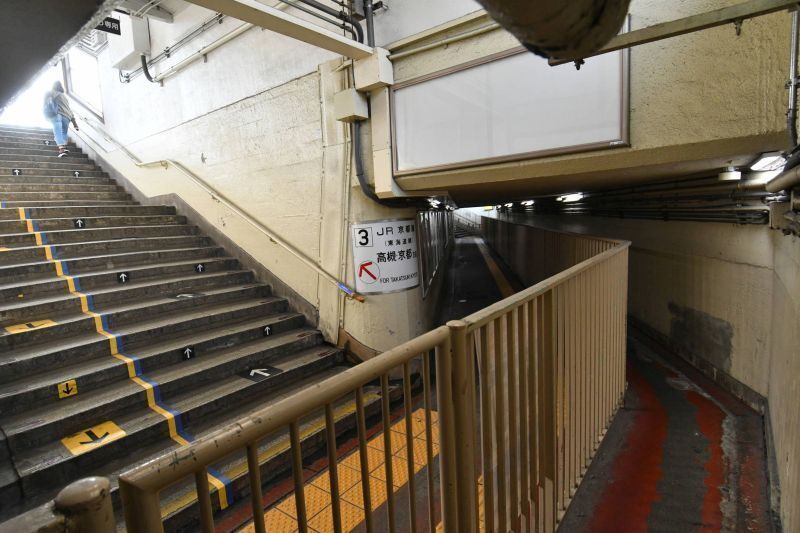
33 144
45 153
24 129
32 288
179 502
17 196
54 180
60 164
52 464
35 427
66 310
8 227
64 203
31 186
16 256
34 171
41 387
171 318
41 213
36 271
35 135
90 234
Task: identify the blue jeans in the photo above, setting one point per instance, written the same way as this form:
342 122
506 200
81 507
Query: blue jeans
60 128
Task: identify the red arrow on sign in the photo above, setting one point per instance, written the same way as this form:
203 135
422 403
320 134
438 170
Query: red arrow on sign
363 269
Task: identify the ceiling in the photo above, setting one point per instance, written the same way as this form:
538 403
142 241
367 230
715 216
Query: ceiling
33 32
591 171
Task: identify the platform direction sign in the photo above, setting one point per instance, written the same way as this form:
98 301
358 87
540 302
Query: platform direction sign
385 256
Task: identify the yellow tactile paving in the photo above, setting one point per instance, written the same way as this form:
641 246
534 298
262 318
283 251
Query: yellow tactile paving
348 478
281 517
323 521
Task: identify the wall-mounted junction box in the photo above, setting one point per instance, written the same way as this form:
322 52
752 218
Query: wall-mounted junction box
350 106
133 41
374 72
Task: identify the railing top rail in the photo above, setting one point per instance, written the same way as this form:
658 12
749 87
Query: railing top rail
168 469
487 314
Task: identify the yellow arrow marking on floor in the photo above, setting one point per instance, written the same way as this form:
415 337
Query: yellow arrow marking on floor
115 350
93 437
67 389
30 326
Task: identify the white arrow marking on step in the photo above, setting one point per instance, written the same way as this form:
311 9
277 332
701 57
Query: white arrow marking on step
123 277
200 267
187 352
77 174
267 330
260 372
16 172
79 223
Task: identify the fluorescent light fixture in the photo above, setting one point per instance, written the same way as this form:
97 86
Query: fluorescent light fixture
527 203
769 162
509 205
571 197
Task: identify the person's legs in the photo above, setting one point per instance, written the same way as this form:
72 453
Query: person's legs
60 127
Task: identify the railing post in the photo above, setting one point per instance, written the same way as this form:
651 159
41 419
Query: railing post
463 391
142 509
86 505
447 443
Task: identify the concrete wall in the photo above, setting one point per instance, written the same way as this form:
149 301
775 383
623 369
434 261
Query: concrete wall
255 122
727 297
784 381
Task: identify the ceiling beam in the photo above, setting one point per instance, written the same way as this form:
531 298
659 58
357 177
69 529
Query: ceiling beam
155 12
272 19
727 15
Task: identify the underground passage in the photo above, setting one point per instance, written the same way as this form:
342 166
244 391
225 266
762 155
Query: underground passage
460 266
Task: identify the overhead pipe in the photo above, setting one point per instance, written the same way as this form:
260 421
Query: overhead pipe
341 15
358 34
370 19
786 181
791 114
560 30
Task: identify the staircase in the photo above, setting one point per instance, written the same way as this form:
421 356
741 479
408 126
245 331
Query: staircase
125 333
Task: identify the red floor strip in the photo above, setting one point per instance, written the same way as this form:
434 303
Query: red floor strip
637 469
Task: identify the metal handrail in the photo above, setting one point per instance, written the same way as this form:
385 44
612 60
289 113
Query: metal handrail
221 198
139 487
506 384
487 314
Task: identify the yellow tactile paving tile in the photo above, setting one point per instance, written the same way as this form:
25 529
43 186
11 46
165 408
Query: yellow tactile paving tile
399 472
281 517
377 494
348 478
351 515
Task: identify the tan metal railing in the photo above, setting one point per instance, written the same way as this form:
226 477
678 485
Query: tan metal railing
522 394
140 487
551 373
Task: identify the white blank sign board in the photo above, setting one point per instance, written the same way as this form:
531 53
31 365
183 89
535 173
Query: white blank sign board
513 106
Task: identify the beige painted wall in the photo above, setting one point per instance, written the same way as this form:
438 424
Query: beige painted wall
705 96
720 282
255 122
784 384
